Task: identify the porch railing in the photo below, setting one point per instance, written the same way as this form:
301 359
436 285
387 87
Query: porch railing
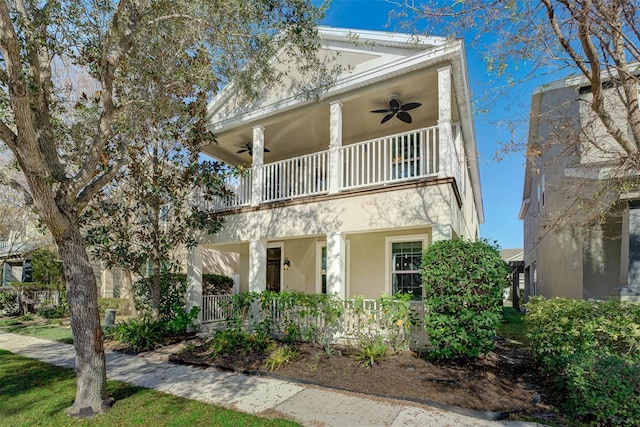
358 318
296 177
396 158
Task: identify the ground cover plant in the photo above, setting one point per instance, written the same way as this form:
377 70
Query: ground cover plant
35 393
590 352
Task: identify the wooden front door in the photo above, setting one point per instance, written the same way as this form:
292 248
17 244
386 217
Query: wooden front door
274 263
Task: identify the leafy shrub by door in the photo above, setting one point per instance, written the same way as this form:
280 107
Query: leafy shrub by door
463 283
216 284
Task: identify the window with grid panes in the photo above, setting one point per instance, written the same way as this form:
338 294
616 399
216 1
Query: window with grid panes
405 269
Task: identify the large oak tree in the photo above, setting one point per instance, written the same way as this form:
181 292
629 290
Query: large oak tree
79 82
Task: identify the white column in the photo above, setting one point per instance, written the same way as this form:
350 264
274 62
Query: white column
336 268
335 142
444 121
256 167
194 279
257 265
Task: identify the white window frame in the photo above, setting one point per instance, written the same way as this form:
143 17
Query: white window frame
388 267
347 248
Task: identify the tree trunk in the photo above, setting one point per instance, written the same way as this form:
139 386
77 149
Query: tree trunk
155 291
82 295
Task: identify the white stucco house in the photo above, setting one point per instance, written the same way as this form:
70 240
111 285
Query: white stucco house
339 197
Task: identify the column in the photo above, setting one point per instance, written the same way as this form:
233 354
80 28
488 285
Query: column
257 183
194 279
257 265
336 268
335 142
445 129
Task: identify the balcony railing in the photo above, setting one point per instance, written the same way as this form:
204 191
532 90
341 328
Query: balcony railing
396 158
391 159
297 177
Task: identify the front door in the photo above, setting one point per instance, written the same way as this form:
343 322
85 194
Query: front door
274 263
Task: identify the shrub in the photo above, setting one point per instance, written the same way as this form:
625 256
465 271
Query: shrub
558 328
9 305
183 321
139 335
372 350
602 390
216 284
56 312
463 283
280 356
173 288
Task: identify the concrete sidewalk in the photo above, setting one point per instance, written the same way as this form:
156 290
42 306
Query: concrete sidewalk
308 405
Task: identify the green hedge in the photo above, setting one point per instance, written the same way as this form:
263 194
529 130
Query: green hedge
216 284
463 283
591 353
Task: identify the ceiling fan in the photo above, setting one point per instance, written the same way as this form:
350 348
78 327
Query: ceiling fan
395 109
248 147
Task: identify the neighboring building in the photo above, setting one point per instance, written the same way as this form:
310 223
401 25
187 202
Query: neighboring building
336 201
569 154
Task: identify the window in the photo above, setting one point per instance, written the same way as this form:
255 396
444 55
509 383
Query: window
404 256
321 266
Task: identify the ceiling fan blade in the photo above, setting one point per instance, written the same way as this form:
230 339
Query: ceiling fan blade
266 150
410 106
387 118
386 110
394 104
405 117
241 151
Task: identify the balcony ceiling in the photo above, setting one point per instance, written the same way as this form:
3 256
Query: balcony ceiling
305 129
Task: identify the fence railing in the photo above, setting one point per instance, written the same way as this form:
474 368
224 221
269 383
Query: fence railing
356 318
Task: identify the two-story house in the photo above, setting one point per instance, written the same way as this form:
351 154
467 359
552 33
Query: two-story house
341 195
579 226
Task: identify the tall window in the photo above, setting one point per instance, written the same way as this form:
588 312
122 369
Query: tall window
323 269
405 268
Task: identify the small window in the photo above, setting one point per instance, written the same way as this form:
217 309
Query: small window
542 190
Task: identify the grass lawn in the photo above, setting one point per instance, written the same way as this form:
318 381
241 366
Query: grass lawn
49 332
35 393
513 326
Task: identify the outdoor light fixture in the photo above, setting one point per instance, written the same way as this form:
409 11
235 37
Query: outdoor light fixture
286 264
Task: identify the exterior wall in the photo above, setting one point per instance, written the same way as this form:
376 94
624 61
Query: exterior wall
570 262
411 206
556 254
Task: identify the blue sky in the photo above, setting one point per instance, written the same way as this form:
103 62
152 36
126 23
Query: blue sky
502 181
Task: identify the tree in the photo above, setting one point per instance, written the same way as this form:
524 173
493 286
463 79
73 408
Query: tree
142 59
596 39
144 222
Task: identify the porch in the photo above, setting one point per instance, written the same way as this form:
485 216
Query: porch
409 156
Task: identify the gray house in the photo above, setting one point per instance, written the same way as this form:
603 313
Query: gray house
571 164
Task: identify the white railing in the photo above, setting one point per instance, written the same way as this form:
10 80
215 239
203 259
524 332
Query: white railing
400 157
296 177
216 308
396 158
238 194
358 318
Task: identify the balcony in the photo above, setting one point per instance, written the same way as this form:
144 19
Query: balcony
379 162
